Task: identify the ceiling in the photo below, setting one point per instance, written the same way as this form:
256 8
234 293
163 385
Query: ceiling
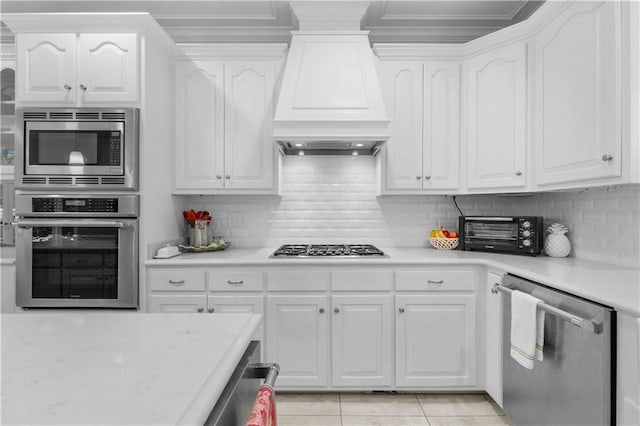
213 21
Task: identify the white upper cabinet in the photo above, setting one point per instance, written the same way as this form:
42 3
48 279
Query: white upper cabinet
577 121
72 69
496 118
199 155
402 89
224 114
440 156
108 68
249 151
423 109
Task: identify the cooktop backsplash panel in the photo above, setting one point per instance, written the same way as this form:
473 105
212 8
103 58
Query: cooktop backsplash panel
333 200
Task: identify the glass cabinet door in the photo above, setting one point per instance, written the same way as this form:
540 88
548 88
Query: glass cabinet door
7 119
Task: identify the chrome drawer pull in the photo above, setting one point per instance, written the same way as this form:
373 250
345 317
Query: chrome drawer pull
235 282
176 282
435 282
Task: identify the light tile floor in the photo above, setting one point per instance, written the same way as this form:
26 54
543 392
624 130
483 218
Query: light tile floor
386 409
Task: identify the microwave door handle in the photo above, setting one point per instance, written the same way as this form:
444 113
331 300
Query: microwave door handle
71 223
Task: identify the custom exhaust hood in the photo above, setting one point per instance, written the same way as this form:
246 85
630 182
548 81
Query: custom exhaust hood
330 100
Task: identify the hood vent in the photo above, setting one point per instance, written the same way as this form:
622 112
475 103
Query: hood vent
330 98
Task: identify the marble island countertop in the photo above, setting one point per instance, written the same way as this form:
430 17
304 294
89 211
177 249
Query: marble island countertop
118 368
612 285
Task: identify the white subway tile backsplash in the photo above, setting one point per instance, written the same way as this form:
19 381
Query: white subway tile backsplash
333 199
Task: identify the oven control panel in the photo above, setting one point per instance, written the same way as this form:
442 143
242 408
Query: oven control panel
74 205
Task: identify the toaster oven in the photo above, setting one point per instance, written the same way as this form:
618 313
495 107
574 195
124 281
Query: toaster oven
502 234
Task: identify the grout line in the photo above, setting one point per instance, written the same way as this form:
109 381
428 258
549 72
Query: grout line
340 405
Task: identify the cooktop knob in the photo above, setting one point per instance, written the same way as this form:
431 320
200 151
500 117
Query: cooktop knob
526 233
526 243
526 224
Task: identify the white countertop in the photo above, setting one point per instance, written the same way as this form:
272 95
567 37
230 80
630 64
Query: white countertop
118 368
611 285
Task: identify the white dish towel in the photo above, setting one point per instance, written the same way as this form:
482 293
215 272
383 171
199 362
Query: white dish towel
527 329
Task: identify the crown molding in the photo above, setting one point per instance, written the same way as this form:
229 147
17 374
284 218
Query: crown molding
418 52
234 51
209 34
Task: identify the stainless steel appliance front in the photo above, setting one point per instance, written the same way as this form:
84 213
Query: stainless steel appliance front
84 148
77 251
575 383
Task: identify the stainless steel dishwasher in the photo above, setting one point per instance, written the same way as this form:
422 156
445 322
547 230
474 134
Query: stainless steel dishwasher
575 383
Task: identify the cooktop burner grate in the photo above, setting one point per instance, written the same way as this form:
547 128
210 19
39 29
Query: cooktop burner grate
327 250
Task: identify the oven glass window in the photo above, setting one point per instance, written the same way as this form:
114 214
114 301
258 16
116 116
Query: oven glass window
74 148
75 262
500 235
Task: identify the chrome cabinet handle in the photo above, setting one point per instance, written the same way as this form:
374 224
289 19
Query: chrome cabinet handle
336 310
83 87
67 87
434 284
427 177
607 157
518 173
218 176
228 177
200 309
176 282
418 178
211 310
235 282
321 310
401 310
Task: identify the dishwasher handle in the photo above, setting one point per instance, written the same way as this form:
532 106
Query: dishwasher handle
583 323
267 371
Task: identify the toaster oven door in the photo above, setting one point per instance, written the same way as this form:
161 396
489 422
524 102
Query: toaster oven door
500 234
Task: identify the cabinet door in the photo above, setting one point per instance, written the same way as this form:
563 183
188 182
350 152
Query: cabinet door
578 95
493 339
435 340
496 118
47 64
249 149
362 338
440 156
297 329
223 304
107 68
199 143
402 89
8 289
177 303
7 122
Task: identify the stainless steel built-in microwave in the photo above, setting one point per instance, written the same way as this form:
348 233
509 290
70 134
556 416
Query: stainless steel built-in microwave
501 234
81 148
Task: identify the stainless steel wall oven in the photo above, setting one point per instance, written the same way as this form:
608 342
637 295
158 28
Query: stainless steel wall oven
77 149
77 250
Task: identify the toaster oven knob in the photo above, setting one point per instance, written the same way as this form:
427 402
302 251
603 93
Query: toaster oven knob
526 243
526 233
526 224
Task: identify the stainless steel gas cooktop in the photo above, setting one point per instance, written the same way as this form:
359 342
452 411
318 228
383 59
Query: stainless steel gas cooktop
328 250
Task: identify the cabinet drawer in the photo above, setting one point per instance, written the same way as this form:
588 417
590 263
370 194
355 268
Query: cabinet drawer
435 280
235 281
298 280
176 280
361 280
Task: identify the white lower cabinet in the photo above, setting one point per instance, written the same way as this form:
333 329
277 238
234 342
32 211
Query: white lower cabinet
177 303
493 338
435 340
297 338
8 295
362 340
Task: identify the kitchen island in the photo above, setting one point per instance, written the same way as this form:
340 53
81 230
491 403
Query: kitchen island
118 367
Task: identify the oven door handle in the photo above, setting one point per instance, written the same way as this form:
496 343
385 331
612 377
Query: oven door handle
72 223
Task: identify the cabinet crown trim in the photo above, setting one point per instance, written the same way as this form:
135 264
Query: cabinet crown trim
234 51
418 52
